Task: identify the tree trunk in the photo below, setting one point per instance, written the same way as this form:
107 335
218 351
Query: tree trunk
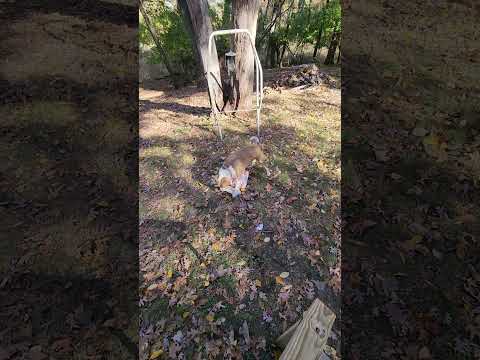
284 47
332 48
182 5
272 41
339 54
272 52
245 14
202 27
318 41
164 56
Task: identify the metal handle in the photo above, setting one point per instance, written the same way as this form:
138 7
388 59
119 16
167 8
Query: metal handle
258 73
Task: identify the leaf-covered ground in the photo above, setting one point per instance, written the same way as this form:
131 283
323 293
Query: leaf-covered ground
411 161
68 287
222 277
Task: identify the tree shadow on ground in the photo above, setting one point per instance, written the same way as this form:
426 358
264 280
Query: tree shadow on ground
73 266
147 105
413 194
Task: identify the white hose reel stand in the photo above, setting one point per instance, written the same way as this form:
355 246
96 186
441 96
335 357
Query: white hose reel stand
258 80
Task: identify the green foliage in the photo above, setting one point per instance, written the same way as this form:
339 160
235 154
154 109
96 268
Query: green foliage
299 25
332 18
173 35
295 33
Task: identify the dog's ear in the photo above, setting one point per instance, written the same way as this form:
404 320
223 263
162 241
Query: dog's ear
224 182
261 156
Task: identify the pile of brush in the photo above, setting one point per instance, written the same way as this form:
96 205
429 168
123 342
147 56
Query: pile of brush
307 76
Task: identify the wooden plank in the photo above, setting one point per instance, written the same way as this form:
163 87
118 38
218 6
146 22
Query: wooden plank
306 339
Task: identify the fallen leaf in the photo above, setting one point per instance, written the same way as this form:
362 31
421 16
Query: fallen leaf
424 353
156 354
412 243
267 317
461 248
152 287
258 283
150 276
244 331
307 240
36 353
268 188
432 140
419 131
169 273
266 240
279 280
210 317
62 345
291 199
227 223
216 246
110 323
284 274
283 296
178 337
381 155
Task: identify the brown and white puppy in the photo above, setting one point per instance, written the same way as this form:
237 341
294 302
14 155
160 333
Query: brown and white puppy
233 175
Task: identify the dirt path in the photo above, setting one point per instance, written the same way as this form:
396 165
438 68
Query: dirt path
210 266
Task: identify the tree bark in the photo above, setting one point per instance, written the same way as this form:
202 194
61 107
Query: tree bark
164 56
332 48
202 27
272 51
182 5
245 14
318 41
284 47
339 53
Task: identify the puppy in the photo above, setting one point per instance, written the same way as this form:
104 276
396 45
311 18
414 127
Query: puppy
233 175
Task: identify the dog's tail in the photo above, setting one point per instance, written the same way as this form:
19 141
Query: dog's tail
255 140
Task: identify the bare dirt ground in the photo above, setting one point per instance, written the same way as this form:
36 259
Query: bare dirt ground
210 266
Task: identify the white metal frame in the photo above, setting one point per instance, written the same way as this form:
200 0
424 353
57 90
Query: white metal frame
258 80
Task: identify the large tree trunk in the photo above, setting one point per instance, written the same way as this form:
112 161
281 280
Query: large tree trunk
332 48
245 14
202 27
164 56
182 5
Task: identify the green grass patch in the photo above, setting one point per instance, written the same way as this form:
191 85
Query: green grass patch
155 311
229 283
